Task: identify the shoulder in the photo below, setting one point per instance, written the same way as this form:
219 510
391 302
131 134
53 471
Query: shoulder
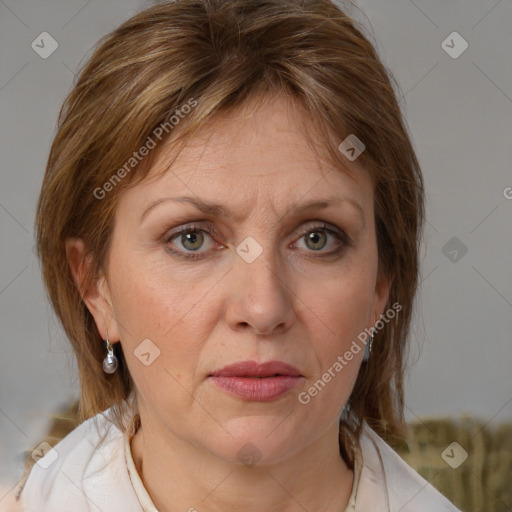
85 471
386 476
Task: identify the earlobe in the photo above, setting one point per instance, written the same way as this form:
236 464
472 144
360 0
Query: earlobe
97 296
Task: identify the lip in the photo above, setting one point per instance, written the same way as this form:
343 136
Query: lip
257 382
254 369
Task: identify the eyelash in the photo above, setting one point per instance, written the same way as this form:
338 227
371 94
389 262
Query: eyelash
210 230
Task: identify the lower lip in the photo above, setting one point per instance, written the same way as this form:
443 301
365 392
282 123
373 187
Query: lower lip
257 389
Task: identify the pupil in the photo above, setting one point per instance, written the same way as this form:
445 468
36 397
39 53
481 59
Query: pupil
193 238
316 239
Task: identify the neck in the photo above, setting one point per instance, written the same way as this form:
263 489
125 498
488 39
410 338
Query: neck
182 477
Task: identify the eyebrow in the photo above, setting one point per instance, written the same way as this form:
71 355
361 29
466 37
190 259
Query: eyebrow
218 210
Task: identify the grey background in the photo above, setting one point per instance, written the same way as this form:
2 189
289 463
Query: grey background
460 117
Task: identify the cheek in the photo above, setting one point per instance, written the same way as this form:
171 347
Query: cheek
172 310
160 347
343 303
149 297
337 314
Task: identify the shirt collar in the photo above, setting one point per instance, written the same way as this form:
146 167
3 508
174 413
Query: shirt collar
142 494
372 494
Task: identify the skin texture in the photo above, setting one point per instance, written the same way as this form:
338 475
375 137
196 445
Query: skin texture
293 303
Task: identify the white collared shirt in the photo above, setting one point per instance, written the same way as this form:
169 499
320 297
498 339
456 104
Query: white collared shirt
92 469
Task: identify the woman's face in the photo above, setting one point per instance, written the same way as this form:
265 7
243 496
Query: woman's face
266 276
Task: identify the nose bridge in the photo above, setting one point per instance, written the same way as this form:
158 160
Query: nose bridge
261 294
259 266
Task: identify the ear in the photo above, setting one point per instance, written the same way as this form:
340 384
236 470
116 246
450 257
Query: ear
381 294
97 297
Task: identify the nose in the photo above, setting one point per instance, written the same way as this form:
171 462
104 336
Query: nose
261 299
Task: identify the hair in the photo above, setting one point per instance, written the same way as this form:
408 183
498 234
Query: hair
214 56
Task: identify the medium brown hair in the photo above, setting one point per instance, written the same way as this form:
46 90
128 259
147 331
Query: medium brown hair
219 54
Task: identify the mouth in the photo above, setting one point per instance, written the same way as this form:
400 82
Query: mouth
256 382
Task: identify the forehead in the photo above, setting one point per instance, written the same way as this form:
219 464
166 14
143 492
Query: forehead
252 154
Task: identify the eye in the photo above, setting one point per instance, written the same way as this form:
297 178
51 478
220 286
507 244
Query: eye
186 241
191 238
316 238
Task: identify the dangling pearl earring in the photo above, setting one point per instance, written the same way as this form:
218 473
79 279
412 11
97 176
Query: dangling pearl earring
110 363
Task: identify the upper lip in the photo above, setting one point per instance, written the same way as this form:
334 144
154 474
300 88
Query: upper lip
255 369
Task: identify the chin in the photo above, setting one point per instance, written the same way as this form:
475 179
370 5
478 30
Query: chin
257 440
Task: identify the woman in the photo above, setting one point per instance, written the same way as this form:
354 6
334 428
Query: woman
228 228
